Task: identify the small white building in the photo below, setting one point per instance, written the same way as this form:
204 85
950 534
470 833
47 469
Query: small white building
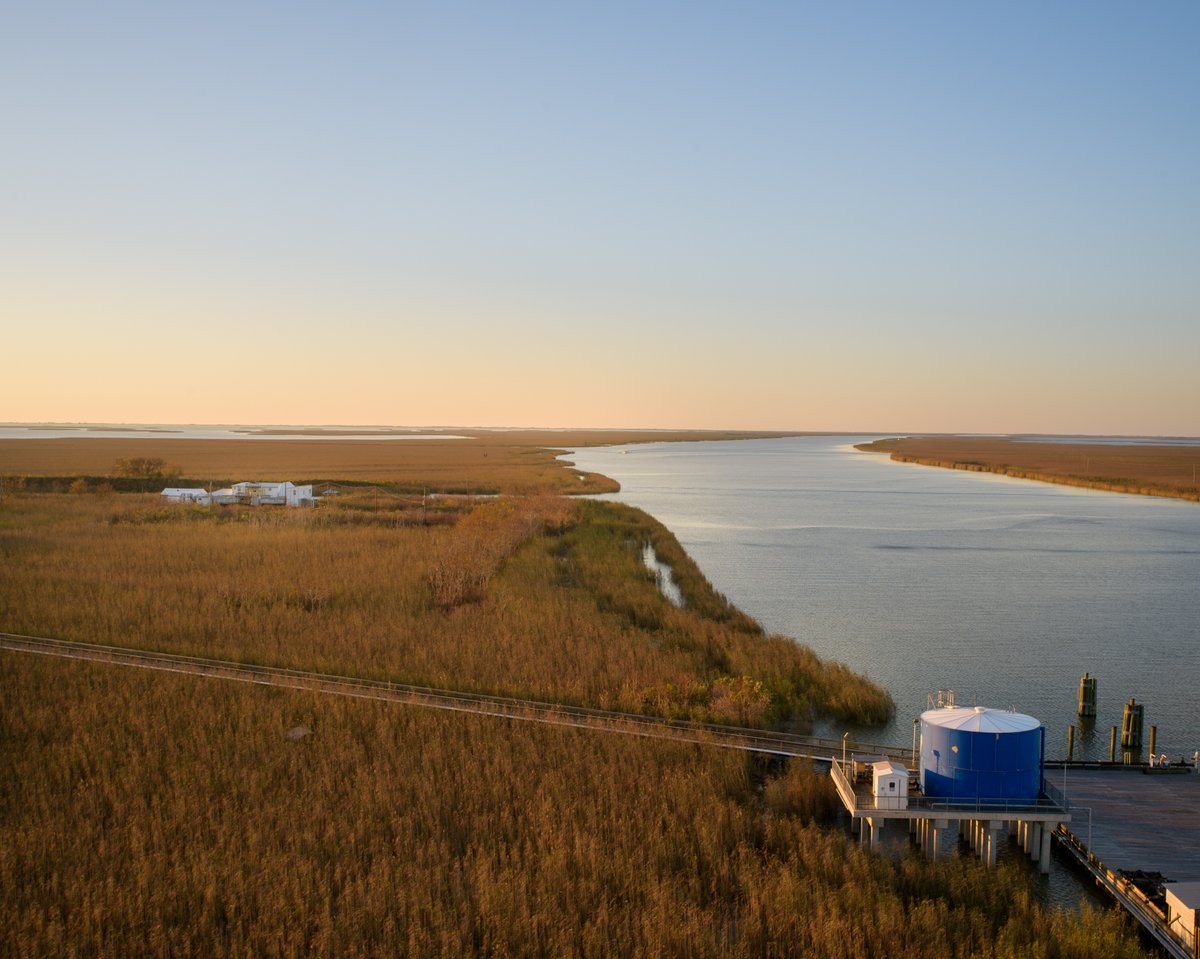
1183 901
889 785
175 494
274 494
224 497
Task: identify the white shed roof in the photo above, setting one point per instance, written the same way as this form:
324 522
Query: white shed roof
887 768
1187 894
980 719
179 491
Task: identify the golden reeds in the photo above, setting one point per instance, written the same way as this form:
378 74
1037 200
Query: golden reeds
1172 471
159 815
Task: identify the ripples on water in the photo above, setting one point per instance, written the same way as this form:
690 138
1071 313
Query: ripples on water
1002 589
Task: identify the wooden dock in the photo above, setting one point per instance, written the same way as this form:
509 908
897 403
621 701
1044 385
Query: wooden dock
1126 821
1139 821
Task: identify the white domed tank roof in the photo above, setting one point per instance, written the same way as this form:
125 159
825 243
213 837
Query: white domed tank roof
979 755
979 719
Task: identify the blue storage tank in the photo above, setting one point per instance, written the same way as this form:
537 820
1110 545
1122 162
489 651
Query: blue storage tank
974 754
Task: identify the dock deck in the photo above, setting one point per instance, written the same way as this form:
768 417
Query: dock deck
1126 821
1138 821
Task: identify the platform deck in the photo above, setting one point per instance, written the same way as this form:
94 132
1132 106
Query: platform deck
1148 822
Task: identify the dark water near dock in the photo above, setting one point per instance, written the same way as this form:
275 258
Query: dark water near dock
1004 590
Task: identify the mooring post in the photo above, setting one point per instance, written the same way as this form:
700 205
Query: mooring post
1131 725
1087 696
1070 742
1153 741
1112 746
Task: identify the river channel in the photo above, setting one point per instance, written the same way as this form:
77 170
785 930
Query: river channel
1003 590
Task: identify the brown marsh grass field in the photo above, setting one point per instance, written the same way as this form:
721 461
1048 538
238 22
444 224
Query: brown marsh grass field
540 597
1147 470
158 815
150 814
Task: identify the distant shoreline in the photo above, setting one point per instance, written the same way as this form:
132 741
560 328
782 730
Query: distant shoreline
1141 470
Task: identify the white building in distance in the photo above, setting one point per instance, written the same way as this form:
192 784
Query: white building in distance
174 494
274 494
252 494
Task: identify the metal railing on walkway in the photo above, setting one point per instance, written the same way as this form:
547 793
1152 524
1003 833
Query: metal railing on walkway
527 710
1050 802
1175 943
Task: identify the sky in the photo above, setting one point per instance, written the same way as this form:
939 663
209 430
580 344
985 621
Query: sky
855 216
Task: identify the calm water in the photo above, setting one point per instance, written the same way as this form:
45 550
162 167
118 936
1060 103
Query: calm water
926 579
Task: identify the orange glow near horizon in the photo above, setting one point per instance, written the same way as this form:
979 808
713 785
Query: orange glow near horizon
123 366
870 218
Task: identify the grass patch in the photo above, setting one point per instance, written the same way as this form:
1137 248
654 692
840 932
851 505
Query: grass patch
152 814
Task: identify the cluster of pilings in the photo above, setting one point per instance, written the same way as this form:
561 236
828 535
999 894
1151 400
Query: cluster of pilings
1087 697
984 836
1131 724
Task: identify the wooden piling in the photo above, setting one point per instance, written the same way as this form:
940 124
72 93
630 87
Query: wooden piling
1153 740
1131 725
1087 696
1112 746
1071 742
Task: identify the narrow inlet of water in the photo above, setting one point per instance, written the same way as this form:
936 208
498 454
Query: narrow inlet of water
663 576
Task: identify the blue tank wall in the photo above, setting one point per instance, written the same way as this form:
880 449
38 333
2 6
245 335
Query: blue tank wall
960 764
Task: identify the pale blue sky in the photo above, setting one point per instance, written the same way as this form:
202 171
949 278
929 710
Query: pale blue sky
852 216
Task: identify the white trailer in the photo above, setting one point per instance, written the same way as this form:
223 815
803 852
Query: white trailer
176 494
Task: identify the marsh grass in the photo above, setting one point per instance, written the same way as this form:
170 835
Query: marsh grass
158 815
162 815
1143 470
535 596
